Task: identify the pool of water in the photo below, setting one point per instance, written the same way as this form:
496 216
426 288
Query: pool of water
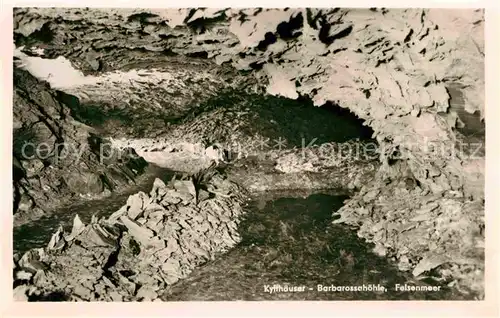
288 239
38 233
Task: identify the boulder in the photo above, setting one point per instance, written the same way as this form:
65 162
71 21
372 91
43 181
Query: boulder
77 229
159 189
141 234
146 293
136 203
33 260
20 293
113 218
57 241
95 235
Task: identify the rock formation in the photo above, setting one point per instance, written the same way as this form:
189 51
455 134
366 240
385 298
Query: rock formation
55 158
416 76
153 241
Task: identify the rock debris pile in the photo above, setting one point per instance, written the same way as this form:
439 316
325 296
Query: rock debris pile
421 230
151 242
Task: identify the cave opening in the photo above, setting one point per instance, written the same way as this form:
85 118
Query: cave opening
300 121
230 112
297 120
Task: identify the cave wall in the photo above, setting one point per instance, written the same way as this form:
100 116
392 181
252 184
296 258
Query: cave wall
416 76
390 67
56 158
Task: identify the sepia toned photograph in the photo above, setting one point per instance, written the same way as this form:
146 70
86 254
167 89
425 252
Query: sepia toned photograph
259 154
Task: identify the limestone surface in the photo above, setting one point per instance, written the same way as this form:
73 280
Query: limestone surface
416 76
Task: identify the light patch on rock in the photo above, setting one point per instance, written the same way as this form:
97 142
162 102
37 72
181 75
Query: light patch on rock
61 74
78 227
281 83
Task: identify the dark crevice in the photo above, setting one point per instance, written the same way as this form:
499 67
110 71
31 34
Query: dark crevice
190 14
395 156
369 44
408 36
17 196
113 258
142 33
286 29
107 183
134 247
53 296
365 132
127 273
257 65
169 52
200 54
312 20
383 61
367 93
201 25
43 35
167 36
259 10
142 17
209 41
269 38
325 37
339 50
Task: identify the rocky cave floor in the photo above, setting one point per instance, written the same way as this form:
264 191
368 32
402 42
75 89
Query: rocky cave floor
184 158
